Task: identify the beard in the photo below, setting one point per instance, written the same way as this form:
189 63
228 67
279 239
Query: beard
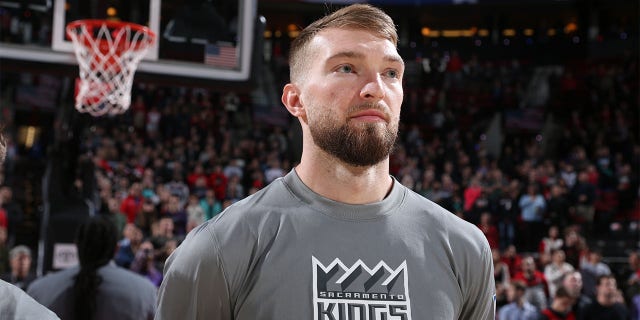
359 144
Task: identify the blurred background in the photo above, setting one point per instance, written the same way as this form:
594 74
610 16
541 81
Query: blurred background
520 117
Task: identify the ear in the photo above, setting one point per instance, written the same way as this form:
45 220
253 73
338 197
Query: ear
291 100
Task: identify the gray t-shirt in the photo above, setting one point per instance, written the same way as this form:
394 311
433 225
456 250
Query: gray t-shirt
289 253
15 304
122 294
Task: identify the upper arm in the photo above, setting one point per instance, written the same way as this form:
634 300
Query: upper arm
479 288
194 284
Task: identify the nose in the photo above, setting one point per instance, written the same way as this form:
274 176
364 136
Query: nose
373 88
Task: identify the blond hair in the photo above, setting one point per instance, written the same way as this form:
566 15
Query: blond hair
357 17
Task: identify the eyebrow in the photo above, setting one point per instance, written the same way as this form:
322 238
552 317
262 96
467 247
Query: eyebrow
353 54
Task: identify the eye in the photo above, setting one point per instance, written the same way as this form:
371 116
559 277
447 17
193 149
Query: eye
392 73
345 68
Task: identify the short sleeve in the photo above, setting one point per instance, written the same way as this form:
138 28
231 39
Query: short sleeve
480 298
194 284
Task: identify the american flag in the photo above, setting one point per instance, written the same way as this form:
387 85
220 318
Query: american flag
221 54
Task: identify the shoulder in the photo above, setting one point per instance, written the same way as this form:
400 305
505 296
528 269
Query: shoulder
269 197
243 220
506 309
529 307
224 239
620 308
466 247
461 234
55 279
16 304
120 275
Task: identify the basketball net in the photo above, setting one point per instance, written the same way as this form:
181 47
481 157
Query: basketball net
108 53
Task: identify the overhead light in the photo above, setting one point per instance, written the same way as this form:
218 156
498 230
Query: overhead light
509 32
570 27
451 33
111 12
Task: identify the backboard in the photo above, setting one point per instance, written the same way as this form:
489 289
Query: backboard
206 39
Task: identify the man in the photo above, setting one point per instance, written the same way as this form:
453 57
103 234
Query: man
337 237
584 194
537 291
632 276
532 206
518 308
15 303
132 204
572 282
607 304
97 289
20 264
560 308
555 271
592 269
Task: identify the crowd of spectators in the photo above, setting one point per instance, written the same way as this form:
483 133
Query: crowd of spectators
180 156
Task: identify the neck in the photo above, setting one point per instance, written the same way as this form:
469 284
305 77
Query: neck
605 301
340 182
557 307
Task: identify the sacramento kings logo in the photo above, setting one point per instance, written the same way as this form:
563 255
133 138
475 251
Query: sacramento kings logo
359 292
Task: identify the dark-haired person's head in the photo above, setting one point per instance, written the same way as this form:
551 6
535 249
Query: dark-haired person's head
606 290
516 290
96 240
563 300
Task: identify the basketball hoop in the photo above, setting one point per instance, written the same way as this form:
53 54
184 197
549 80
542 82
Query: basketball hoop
108 53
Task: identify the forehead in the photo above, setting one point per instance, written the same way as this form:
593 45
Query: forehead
333 41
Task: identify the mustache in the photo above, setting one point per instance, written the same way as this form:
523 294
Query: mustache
370 106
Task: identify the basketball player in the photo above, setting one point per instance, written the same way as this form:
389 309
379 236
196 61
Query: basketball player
14 302
337 237
96 289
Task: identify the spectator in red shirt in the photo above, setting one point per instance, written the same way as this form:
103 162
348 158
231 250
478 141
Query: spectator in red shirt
512 259
132 204
471 193
537 288
490 231
455 63
198 172
3 219
218 182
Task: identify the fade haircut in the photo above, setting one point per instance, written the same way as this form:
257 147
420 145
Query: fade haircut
356 17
